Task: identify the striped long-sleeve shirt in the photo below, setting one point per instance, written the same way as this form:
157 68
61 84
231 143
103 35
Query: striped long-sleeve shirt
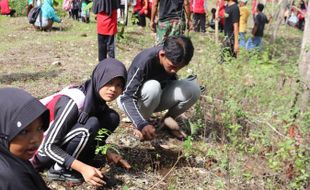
145 66
66 114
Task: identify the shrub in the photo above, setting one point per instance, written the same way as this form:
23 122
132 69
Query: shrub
19 6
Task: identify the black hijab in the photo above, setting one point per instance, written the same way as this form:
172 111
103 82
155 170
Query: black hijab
105 71
106 6
17 110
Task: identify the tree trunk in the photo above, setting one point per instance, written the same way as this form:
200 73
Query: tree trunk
217 22
278 18
126 12
304 65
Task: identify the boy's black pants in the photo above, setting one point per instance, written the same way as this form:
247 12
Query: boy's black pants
106 46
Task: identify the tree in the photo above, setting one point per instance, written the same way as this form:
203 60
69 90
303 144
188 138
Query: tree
278 19
304 65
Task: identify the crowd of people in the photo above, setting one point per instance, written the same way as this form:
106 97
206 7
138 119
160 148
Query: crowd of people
295 14
58 132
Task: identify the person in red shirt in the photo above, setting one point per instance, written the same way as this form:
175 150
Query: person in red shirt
221 14
199 8
5 8
106 12
140 11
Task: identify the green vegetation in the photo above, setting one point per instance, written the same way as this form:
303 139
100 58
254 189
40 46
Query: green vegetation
19 6
246 130
102 147
249 113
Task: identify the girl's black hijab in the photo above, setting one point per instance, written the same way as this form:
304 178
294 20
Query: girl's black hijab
18 109
106 6
105 71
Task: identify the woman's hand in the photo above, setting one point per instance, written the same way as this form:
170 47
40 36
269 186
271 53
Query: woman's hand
93 176
90 174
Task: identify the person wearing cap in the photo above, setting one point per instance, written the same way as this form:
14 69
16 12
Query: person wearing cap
152 86
23 119
77 114
244 16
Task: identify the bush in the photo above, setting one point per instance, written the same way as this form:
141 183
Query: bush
19 6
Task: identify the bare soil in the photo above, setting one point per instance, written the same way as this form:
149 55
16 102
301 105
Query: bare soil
45 62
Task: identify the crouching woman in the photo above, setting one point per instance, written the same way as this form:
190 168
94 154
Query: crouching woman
47 17
77 113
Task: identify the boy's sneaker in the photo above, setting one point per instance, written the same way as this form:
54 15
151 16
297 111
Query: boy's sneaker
64 175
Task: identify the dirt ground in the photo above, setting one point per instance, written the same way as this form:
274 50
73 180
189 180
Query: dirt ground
45 62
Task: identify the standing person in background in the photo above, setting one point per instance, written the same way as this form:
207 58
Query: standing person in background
301 14
67 6
106 11
85 13
200 10
140 11
23 119
258 29
5 8
221 14
122 9
231 28
47 18
244 16
170 18
75 9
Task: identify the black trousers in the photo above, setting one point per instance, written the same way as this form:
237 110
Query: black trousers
199 22
77 145
75 14
141 19
106 47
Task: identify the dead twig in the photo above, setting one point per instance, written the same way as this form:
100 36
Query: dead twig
172 168
271 127
280 134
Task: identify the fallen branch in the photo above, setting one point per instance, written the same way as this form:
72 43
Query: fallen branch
271 127
162 179
280 134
